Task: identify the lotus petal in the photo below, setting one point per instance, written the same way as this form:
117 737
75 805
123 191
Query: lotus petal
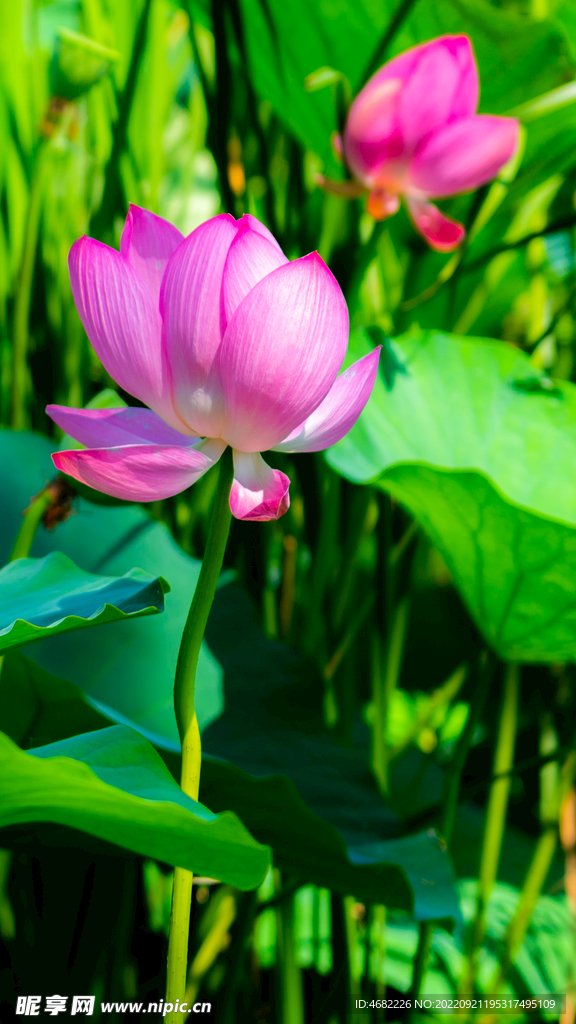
338 413
281 353
258 492
140 472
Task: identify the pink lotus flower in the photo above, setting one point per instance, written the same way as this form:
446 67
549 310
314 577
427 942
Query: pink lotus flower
227 342
413 131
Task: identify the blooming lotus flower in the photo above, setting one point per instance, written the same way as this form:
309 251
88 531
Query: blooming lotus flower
413 131
227 343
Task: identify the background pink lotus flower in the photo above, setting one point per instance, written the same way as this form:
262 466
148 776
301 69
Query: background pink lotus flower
227 342
413 131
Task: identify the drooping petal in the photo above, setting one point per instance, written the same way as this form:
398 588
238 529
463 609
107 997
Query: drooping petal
190 307
441 233
147 243
414 94
123 324
140 472
250 258
463 155
258 492
281 352
109 428
382 204
338 413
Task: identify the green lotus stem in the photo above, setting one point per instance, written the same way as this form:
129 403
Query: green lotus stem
211 946
553 787
537 873
19 382
451 799
361 522
421 959
452 789
385 682
330 487
32 520
291 990
495 817
188 723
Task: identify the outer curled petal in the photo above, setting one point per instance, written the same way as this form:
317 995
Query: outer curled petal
123 323
250 258
281 353
463 155
109 428
147 243
338 413
441 233
190 306
140 472
258 492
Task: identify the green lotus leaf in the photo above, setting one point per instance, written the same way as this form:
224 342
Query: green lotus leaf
112 784
142 654
42 597
480 447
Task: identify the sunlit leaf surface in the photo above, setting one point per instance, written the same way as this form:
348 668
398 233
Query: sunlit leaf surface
112 784
48 596
479 446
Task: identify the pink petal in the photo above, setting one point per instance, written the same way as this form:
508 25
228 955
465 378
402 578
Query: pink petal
281 352
256 225
441 233
442 87
250 258
147 243
123 324
419 91
338 413
372 136
109 428
190 307
140 472
463 155
258 492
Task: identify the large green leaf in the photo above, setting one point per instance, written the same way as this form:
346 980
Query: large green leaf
112 784
469 437
131 680
42 597
37 707
300 791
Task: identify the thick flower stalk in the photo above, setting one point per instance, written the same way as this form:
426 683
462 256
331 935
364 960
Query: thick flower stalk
413 132
227 343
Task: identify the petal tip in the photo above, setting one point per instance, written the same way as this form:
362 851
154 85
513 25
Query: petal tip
258 493
268 511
